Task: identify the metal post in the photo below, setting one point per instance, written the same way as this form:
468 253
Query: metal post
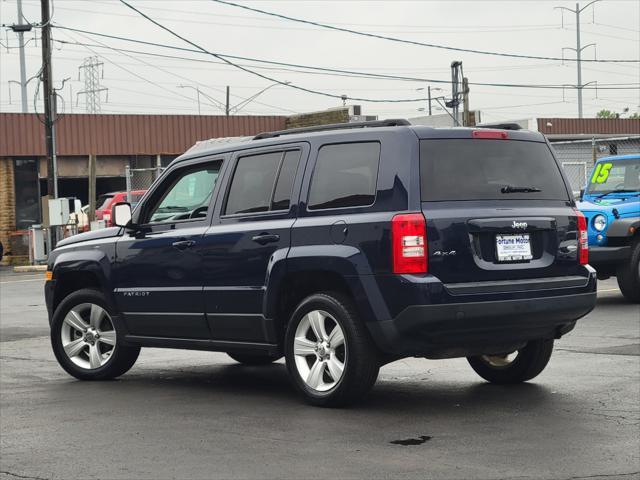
578 56
92 189
429 95
158 166
23 68
227 106
127 175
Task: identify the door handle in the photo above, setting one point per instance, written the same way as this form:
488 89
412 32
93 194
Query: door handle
265 238
183 244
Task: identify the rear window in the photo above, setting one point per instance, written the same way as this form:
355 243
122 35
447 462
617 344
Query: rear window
103 201
455 169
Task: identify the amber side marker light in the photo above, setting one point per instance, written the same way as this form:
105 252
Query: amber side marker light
48 275
632 230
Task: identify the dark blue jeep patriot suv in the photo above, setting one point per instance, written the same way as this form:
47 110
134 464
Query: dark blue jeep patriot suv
341 247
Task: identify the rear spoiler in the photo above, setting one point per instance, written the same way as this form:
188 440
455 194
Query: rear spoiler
501 126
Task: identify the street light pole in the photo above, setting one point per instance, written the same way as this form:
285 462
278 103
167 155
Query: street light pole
197 92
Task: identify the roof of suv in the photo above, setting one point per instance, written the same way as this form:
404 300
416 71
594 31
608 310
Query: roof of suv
340 131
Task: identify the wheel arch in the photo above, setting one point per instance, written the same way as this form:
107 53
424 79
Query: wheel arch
74 271
296 279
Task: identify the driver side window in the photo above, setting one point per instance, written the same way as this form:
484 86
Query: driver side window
188 196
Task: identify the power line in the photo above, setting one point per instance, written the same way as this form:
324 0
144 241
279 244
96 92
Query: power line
266 77
325 70
411 42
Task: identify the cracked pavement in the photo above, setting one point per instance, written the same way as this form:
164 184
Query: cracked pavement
181 414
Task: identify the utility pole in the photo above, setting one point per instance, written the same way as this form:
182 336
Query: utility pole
227 106
92 69
578 49
20 28
49 102
429 95
465 99
454 103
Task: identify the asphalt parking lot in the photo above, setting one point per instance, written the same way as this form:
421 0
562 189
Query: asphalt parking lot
181 414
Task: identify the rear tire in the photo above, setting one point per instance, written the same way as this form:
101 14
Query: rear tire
628 275
87 338
330 356
527 364
247 359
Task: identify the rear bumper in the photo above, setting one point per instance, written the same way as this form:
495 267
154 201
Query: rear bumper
607 255
462 328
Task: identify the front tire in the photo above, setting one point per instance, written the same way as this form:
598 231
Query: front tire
87 338
329 355
516 367
628 275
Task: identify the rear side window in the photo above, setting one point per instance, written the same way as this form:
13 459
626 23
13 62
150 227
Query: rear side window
461 169
282 194
262 183
345 175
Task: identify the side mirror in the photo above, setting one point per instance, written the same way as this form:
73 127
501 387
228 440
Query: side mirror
121 214
581 193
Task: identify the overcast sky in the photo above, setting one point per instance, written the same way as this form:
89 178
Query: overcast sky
140 83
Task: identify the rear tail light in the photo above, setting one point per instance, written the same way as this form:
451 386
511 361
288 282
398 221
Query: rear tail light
583 239
409 243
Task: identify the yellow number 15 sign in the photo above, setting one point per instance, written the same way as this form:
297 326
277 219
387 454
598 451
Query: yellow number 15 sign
601 173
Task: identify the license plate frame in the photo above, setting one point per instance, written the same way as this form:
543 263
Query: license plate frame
513 247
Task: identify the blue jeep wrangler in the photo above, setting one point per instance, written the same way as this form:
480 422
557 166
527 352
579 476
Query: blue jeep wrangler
611 203
341 247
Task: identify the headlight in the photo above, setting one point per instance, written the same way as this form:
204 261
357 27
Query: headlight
599 222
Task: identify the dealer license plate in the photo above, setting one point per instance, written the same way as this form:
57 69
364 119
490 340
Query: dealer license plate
510 248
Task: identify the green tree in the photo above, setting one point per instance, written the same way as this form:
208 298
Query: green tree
604 113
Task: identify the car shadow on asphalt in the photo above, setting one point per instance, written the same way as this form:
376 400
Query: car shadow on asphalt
229 384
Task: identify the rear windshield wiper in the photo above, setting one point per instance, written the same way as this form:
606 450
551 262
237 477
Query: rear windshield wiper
512 189
623 190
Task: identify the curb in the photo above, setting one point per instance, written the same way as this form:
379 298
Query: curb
30 268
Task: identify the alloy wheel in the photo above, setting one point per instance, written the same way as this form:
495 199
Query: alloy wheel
88 336
501 360
320 351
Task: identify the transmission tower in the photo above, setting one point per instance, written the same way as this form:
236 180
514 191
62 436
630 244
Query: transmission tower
92 70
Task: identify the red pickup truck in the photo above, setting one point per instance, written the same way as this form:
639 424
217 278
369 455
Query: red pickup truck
105 203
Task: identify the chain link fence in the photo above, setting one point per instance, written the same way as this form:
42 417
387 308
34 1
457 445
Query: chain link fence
138 179
578 156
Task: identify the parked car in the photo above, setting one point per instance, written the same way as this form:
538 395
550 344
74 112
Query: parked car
611 204
341 247
105 203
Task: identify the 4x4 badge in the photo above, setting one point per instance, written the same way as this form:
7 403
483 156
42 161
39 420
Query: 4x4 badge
519 224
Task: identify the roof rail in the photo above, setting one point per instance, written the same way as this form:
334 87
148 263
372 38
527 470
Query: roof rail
334 126
501 126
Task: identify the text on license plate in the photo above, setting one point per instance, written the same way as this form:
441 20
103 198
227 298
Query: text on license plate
513 247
